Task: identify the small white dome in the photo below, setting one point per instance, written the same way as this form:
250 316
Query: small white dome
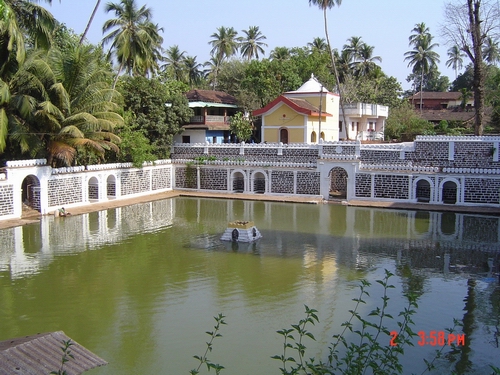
312 85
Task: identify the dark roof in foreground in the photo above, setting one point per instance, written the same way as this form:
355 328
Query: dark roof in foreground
40 354
210 96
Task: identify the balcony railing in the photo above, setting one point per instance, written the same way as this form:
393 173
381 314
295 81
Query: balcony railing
364 109
209 119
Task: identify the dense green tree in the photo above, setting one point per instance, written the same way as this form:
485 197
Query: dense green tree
158 110
252 43
241 127
433 80
134 39
404 124
224 43
268 79
464 80
381 90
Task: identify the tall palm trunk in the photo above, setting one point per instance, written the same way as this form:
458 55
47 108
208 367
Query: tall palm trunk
118 75
332 56
421 89
90 22
478 81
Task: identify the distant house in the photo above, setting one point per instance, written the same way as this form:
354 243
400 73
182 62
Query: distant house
439 100
445 106
210 122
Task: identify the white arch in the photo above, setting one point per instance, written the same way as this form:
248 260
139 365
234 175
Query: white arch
252 180
111 185
431 184
457 183
232 176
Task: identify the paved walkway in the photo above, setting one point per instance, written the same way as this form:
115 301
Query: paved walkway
33 216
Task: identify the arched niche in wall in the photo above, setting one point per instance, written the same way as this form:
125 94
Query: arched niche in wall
238 181
31 192
93 188
111 186
338 183
259 182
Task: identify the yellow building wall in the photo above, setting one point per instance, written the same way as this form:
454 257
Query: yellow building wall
285 117
295 135
290 118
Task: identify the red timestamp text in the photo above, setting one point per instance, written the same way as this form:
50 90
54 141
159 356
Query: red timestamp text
433 338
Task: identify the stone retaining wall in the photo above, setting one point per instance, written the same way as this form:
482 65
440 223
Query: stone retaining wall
438 170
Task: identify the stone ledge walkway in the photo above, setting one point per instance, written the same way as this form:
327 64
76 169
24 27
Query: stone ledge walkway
31 218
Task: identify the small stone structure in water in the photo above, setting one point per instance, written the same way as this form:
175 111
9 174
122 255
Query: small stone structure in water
241 231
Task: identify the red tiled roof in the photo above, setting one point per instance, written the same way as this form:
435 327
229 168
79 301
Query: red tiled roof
210 96
298 105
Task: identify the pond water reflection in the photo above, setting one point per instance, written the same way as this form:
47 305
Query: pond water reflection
139 285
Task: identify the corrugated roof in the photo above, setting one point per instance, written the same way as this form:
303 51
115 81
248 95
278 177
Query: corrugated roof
210 96
40 354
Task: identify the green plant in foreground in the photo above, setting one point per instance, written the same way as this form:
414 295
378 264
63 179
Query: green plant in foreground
363 354
374 349
203 359
65 358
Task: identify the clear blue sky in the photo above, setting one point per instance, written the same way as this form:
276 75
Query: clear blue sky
384 24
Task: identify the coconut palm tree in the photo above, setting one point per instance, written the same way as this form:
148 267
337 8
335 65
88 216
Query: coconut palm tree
193 70
174 62
455 60
318 44
22 18
420 31
365 63
353 47
491 52
214 66
82 107
422 58
135 40
251 44
224 43
324 5
280 53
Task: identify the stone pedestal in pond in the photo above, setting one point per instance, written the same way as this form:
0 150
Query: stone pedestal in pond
241 231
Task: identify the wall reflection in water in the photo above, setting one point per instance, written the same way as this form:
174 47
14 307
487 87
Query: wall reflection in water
426 239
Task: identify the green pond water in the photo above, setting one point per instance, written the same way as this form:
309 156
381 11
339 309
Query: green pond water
139 285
